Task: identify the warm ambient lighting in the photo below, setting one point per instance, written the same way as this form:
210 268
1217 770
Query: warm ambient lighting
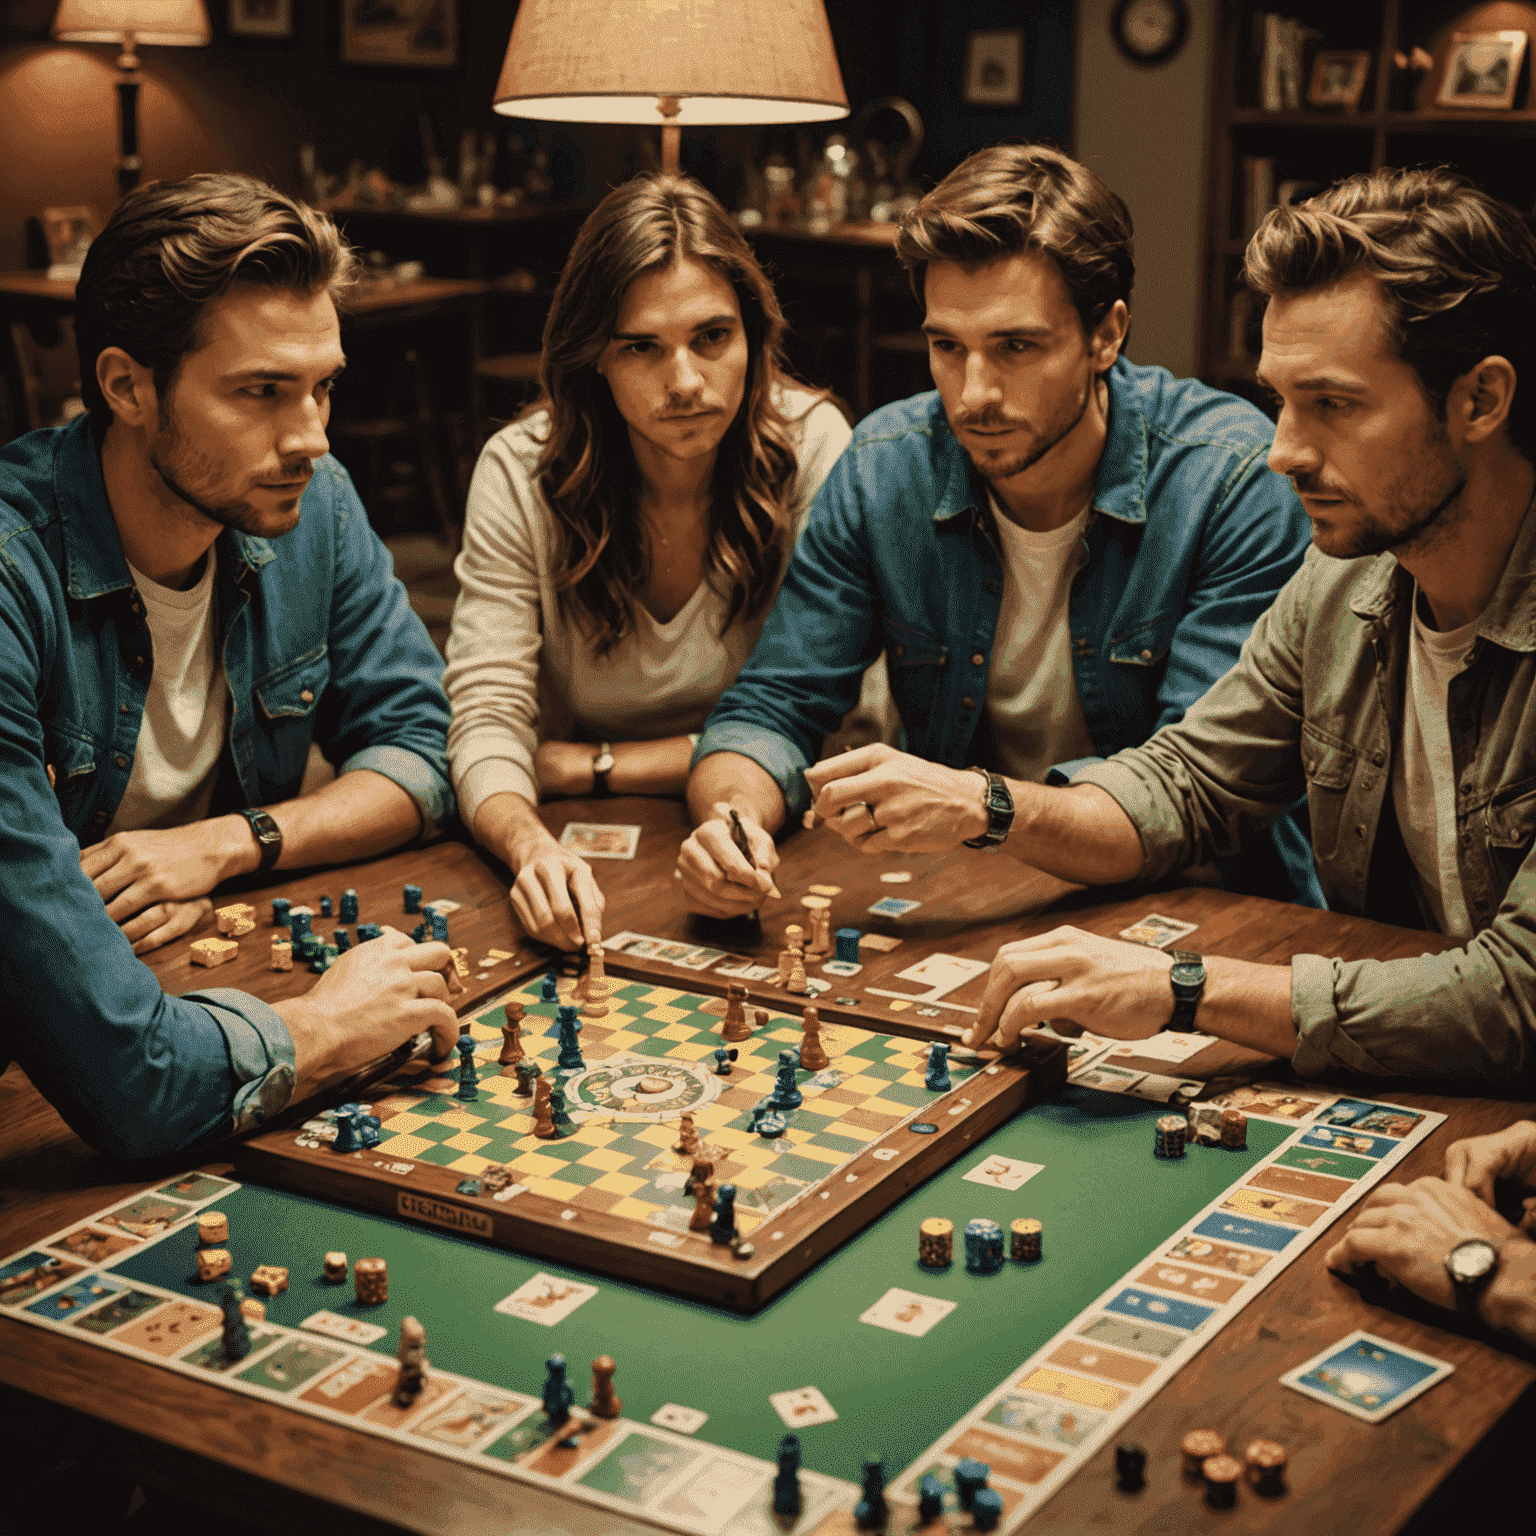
164 23
688 61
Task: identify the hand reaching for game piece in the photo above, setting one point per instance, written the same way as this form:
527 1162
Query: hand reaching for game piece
884 801
1105 986
556 897
717 877
1476 1162
1406 1231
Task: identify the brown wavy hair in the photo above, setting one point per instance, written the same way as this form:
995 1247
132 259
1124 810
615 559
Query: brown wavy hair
587 469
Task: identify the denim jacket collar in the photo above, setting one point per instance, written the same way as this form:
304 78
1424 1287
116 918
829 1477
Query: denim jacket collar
1121 488
1509 620
93 549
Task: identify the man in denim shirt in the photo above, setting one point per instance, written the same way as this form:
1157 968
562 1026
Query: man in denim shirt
1393 681
1058 552
190 595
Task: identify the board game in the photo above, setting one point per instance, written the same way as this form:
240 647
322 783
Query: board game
611 1195
1025 1371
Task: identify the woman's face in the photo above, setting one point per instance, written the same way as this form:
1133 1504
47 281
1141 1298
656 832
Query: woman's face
677 360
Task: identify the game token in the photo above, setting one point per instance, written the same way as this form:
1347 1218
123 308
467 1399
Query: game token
349 905
936 1242
930 1499
871 1513
786 1485
212 1227
366 931
986 1509
342 940
1130 1468
604 1404
771 1125
983 1246
412 1355
325 906
280 905
413 898
212 1262
970 1478
1025 1239
370 1280
848 945
236 1336
1234 1129
282 955
1172 1130
236 920
334 1266
1221 1474
1266 1467
269 1279
1204 1122
298 924
212 951
938 1079
1196 1446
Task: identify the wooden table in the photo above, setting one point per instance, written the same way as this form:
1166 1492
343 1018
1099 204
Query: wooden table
229 1451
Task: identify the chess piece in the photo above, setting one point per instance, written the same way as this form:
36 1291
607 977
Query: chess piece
688 1138
511 1040
786 1094
527 1072
570 1058
596 1005
557 1396
604 1404
543 1118
759 1019
236 1336
813 1055
723 1228
797 982
938 1079
734 1027
412 1356
818 943
468 1077
564 1125
786 1485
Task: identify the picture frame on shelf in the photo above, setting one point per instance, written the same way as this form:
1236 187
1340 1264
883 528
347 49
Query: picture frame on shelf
1482 70
994 68
260 19
1338 77
400 34
69 232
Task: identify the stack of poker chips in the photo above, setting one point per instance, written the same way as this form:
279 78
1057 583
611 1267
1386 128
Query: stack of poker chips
1172 1132
983 1246
1234 1129
936 1243
1221 1474
1197 1447
1266 1467
370 1280
848 945
1025 1247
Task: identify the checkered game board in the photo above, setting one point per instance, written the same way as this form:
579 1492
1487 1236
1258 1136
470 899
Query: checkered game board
620 1159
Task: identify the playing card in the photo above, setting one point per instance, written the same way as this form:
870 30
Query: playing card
352 1329
881 942
1157 932
903 1312
686 1421
1106 1079
1172 1046
804 1405
600 840
893 906
896 877
1368 1377
1003 1172
1160 1089
841 968
545 1299
942 971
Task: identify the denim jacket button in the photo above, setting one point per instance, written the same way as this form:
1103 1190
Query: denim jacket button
977 659
120 760
1146 655
968 702
307 696
138 662
1360 830
901 650
122 709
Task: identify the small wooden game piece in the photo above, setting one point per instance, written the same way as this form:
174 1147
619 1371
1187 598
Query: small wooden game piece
213 1262
797 982
1025 1234
527 1072
269 1279
786 1484
1265 1461
936 1242
1130 1468
570 1058
325 906
235 920
1196 1446
938 1079
871 1512
759 1019
412 1355
786 1093
734 1027
813 1055
349 905
703 1192
497 1177
213 951
282 955
1234 1129
370 1282
848 945
1221 1474
511 1041
450 975
786 966
604 1404
334 1266
986 1509
1170 1136
254 1311
236 1337
468 1076
688 1138
1204 1124
970 1478
366 931
557 1395
724 1055
543 1118
819 945
413 898
212 1228
723 1228
280 906
930 1499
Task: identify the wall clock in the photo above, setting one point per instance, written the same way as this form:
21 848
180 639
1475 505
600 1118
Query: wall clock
1150 31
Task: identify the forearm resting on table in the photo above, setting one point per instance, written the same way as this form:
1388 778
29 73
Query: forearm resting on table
1248 1004
737 781
510 827
1509 1303
650 767
1076 832
361 814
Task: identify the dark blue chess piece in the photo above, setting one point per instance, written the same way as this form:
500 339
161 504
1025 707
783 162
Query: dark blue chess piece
368 1131
298 926
236 1335
930 1498
468 1077
786 1486
325 906
570 1059
724 1056
986 1509
786 1095
558 1393
564 1125
419 933
413 898
347 1139
342 940
280 905
549 992
349 905
938 1079
970 1478
723 1228
870 1513
366 931
439 921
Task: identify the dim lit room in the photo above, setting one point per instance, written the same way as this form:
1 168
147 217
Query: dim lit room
649 649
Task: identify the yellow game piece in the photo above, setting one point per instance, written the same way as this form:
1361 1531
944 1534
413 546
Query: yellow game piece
269 1279
235 920
254 1311
213 951
282 955
213 1262
212 1228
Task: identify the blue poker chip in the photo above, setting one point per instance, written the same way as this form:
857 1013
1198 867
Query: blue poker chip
923 1128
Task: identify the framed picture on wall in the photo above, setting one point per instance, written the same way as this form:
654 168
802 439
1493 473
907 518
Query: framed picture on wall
1482 69
1338 78
260 18
412 34
994 69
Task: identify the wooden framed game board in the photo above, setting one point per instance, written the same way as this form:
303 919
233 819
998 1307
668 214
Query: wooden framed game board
610 1196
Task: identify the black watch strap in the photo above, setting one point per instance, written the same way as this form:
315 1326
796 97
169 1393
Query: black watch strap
1187 978
267 833
999 811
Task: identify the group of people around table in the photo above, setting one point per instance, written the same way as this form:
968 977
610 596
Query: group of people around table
1111 623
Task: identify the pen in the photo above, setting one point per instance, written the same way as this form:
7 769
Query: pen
739 837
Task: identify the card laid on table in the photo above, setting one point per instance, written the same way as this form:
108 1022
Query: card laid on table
600 840
1159 932
1367 1376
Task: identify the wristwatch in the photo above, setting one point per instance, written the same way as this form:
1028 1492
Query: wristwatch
1188 981
602 766
999 811
1471 1265
268 834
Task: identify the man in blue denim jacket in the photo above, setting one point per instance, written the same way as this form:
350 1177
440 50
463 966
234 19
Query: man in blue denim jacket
1058 552
190 595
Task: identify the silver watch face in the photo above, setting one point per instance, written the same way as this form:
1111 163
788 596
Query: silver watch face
1470 1261
602 763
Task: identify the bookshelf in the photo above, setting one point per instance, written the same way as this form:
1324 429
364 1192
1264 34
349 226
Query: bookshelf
1254 152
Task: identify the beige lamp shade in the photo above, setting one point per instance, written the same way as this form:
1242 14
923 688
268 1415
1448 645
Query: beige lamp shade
722 61
163 23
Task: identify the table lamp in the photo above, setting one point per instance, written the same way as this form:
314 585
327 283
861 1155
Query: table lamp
691 61
167 23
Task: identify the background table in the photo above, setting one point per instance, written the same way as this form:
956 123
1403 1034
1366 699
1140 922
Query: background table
1377 1474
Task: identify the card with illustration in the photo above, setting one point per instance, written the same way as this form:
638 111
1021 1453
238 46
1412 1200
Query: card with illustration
600 840
545 1299
195 1187
169 1329
1106 1079
892 906
681 1420
121 1309
62 1306
943 972
148 1216
1003 1172
210 1356
1236 1261
1275 1101
351 1330
804 1405
1374 1119
906 1312
1366 1376
290 1365
94 1246
472 1415
1158 1089
1046 1419
28 1276
1356 1143
1156 931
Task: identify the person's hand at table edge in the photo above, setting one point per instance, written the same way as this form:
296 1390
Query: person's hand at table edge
884 801
1476 1162
718 879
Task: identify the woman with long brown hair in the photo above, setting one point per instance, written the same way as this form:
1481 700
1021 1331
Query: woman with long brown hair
625 537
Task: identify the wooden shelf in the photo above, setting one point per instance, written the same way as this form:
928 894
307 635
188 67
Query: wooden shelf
1471 123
